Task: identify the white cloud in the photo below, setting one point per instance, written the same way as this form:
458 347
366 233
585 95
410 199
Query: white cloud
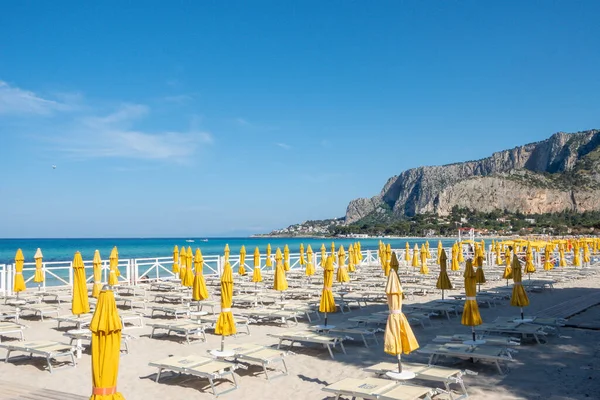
284 146
112 136
16 101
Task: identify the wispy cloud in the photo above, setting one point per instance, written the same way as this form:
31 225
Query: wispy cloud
17 101
112 136
284 146
242 122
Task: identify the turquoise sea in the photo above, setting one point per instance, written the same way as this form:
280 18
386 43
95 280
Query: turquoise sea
64 249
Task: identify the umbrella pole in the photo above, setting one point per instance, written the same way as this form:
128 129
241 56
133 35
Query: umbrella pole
325 319
522 317
399 363
442 294
222 343
473 332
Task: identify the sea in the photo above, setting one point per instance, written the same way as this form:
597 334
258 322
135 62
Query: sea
129 248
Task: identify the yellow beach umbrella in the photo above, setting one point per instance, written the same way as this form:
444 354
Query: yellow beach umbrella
327 303
461 257
394 263
358 250
470 316
479 275
576 256
242 265
415 256
443 281
529 267
80 302
323 255
113 273
427 252
175 267
498 254
388 253
97 268
256 274
342 272
519 296
508 269
398 336
268 261
199 291
455 266
333 250
439 251
302 259
286 258
310 268
586 254
547 256
39 272
225 323
280 281
188 278
424 268
106 348
226 253
562 261
351 258
407 253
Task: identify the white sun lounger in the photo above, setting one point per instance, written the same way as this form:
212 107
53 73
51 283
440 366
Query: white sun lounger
47 349
283 316
433 373
131 301
10 328
327 340
170 311
79 321
86 334
489 340
493 354
40 309
514 329
128 316
187 329
260 355
202 367
239 322
377 389
364 332
7 313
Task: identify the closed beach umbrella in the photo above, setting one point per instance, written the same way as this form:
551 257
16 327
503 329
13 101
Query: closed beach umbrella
479 275
188 278
39 273
407 253
470 316
113 265
80 302
199 291
548 265
106 348
182 267
508 269
398 336
519 296
382 255
439 251
576 256
394 263
562 261
351 258
342 272
586 254
226 253
310 268
19 284
333 250
461 257
359 252
302 259
225 323
388 254
175 267
327 303
97 268
443 281
424 269
498 254
280 281
242 265
415 256
323 255
257 274
286 258
529 267
356 253
427 252
455 265
268 261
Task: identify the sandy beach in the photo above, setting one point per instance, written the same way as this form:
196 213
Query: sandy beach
566 367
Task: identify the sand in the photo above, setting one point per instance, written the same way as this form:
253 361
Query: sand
566 367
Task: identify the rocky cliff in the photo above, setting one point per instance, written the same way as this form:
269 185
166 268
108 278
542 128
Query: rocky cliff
561 172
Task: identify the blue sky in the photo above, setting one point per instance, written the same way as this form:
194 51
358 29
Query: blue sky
228 118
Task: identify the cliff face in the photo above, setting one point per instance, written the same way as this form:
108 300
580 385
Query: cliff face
561 172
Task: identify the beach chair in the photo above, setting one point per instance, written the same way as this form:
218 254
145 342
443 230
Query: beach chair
131 301
523 330
489 340
240 322
433 373
10 328
80 335
7 312
329 341
267 314
203 367
180 298
551 324
493 354
44 348
365 333
187 329
376 388
266 357
40 309
128 317
170 311
80 321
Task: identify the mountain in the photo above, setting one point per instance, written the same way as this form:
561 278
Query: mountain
556 174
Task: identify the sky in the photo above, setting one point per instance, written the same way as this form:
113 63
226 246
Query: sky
226 118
